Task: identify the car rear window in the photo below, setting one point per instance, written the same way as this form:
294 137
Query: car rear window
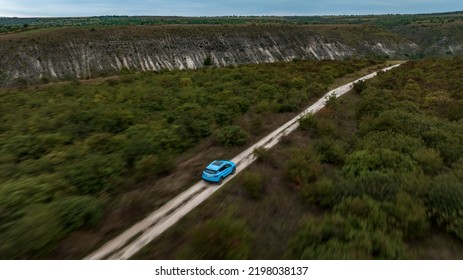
217 163
210 171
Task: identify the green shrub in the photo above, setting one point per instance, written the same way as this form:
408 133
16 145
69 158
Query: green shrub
232 136
359 86
208 60
303 167
76 212
429 160
33 235
382 160
380 186
298 82
456 227
289 105
105 143
308 123
364 208
262 155
330 150
153 165
320 192
410 216
337 237
332 101
220 239
17 195
445 198
391 140
93 174
253 183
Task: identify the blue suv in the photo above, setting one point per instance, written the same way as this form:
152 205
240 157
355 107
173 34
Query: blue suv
218 170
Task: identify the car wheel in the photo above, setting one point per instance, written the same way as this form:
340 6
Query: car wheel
220 181
233 170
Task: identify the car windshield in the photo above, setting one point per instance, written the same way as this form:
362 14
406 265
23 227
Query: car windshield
210 171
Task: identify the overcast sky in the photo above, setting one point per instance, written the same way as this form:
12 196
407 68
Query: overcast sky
58 8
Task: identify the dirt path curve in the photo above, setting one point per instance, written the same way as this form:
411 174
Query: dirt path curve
135 238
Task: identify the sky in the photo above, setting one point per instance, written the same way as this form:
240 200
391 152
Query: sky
70 8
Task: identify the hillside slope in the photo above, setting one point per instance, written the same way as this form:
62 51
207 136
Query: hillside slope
82 53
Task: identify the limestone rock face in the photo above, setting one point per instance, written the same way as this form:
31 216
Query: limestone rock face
82 53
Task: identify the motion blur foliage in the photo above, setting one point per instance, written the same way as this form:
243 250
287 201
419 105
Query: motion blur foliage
33 234
253 184
303 167
220 239
445 201
335 236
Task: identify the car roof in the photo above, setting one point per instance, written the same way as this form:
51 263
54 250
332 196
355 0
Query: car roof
216 164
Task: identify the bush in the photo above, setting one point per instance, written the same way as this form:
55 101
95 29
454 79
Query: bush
303 167
337 237
382 160
380 186
410 216
390 140
320 193
253 183
429 160
232 136
105 143
262 154
93 174
332 101
17 195
208 60
76 212
32 146
33 235
330 150
220 239
153 165
359 86
298 82
456 227
364 208
308 123
445 198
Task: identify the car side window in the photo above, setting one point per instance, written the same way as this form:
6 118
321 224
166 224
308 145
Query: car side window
224 167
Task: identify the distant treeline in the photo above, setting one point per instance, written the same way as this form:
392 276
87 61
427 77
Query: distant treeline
8 24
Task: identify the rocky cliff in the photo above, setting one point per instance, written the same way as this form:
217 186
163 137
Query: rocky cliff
82 53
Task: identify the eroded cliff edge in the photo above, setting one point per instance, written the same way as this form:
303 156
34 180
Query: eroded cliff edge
82 53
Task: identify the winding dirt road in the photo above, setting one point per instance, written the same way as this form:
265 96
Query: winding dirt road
135 238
